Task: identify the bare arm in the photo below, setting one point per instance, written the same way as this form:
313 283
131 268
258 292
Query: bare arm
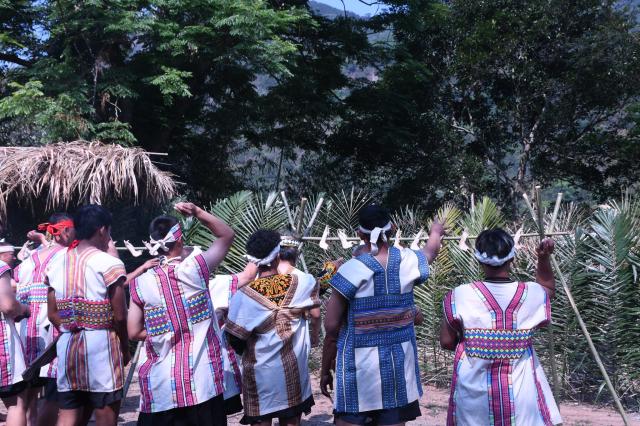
135 322
544 271
151 263
432 248
223 233
52 308
316 324
336 307
119 307
9 305
448 336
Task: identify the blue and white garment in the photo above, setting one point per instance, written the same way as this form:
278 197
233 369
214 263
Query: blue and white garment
377 360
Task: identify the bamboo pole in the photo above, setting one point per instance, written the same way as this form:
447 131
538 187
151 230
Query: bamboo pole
585 332
557 388
132 369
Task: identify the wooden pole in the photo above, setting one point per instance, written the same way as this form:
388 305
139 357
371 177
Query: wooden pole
557 388
132 369
583 328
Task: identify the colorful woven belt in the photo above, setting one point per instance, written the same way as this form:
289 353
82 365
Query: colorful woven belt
497 344
78 314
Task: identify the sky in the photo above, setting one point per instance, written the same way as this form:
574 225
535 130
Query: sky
354 6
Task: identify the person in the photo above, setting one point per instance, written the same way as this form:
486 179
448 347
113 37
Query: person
267 324
374 351
490 324
222 288
13 389
181 368
86 303
36 332
289 253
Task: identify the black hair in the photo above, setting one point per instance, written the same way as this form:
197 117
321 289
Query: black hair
374 216
160 227
495 242
289 254
59 217
262 242
88 219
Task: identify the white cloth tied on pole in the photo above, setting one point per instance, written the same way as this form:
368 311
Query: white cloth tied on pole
174 234
516 238
397 239
134 252
463 241
342 235
265 260
415 244
375 234
323 241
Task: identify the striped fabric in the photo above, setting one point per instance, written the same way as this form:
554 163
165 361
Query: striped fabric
383 319
89 355
12 361
182 363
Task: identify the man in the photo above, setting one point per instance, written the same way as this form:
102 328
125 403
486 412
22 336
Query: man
86 303
13 390
36 331
376 361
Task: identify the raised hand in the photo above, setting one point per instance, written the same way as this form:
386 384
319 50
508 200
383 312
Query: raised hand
186 209
545 248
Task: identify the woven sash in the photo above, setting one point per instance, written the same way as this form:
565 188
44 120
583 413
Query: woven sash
497 344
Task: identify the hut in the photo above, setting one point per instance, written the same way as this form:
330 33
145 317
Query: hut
37 180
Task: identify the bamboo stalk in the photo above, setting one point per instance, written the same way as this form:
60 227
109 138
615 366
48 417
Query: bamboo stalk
132 370
298 228
287 209
557 388
592 347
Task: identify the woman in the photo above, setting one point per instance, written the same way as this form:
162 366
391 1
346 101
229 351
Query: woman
497 379
267 324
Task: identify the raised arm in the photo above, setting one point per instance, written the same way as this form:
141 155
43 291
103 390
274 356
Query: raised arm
223 233
544 271
151 263
336 308
432 248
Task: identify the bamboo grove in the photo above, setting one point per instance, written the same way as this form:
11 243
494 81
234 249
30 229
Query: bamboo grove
599 258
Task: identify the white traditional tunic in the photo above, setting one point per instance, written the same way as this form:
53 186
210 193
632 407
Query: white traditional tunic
222 288
182 362
497 379
272 321
36 332
377 359
12 363
89 356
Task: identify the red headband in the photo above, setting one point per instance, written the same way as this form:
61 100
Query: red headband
56 228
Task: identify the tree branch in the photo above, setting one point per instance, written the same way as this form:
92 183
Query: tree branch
15 59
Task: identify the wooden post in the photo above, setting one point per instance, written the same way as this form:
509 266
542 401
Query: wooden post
583 328
132 370
557 387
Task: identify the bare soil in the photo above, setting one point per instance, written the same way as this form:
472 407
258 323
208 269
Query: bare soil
434 410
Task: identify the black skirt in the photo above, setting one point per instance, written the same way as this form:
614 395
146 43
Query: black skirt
209 413
232 405
287 413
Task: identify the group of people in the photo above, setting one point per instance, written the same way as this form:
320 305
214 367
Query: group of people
218 345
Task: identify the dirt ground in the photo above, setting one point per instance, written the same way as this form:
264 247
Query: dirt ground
434 411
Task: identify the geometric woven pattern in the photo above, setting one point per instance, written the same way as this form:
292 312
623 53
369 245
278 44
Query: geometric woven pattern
497 343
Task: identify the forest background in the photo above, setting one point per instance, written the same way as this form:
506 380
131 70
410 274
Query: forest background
420 104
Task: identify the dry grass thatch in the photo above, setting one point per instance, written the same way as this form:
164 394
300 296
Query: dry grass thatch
65 174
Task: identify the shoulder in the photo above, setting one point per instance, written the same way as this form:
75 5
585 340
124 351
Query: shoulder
535 290
103 261
357 265
303 277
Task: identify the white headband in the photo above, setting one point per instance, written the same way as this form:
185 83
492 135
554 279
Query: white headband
495 260
375 234
7 249
174 234
265 260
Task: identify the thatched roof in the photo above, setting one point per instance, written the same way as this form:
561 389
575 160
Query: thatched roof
65 174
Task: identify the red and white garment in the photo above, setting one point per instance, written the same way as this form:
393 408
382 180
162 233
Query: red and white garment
497 378
181 365
222 288
12 363
89 356
36 331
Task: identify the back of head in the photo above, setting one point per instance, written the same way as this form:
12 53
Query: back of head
59 217
7 253
495 243
160 227
89 219
373 216
262 242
